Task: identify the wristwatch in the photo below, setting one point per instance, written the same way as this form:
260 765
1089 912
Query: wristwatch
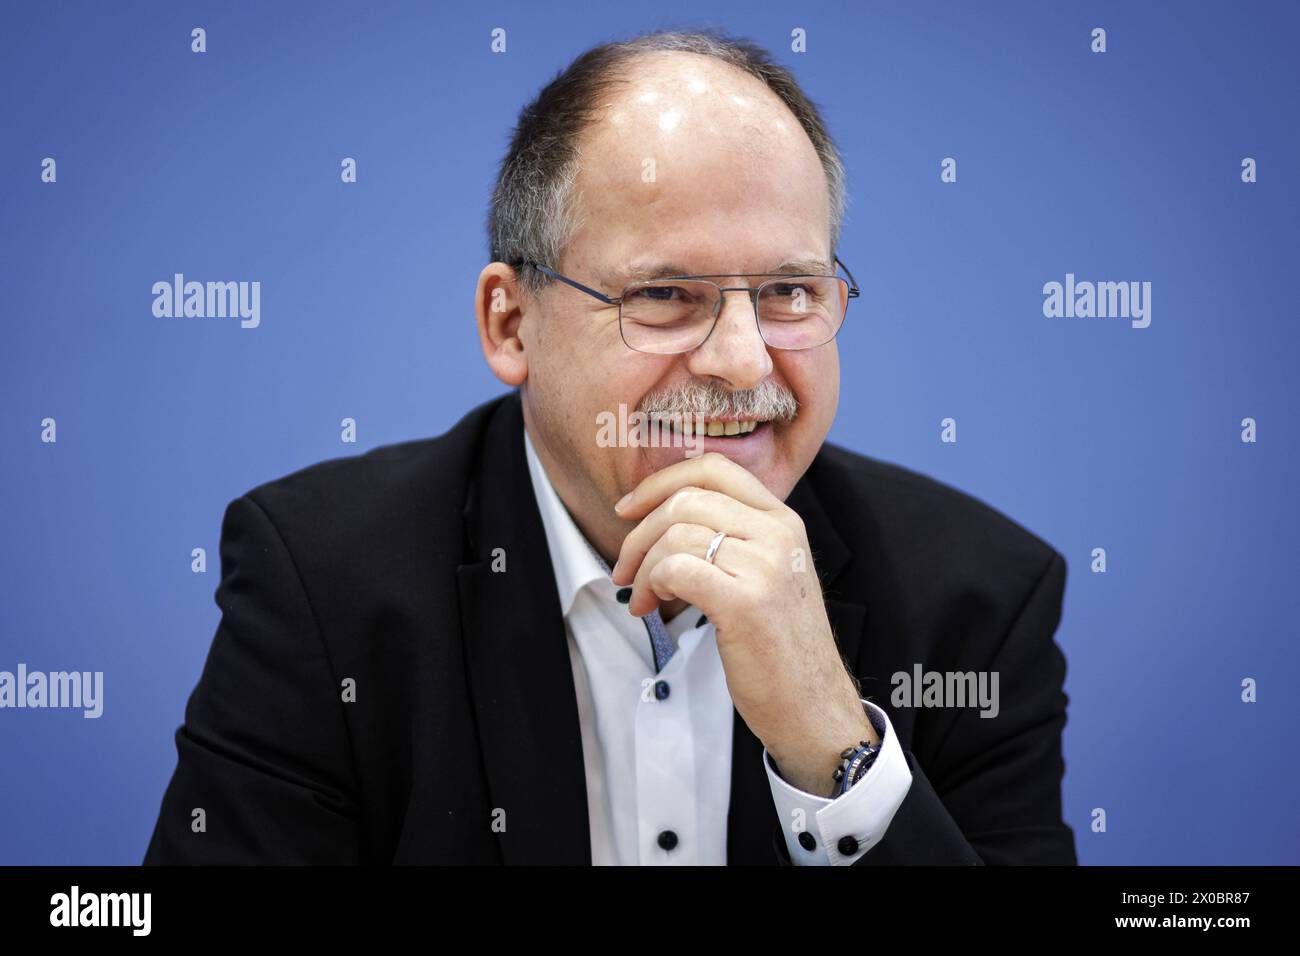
854 764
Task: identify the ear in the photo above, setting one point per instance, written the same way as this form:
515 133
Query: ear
498 307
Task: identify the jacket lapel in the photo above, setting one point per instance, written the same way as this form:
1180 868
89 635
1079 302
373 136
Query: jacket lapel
517 659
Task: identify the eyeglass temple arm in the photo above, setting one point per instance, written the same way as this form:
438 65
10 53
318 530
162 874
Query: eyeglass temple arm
853 289
577 285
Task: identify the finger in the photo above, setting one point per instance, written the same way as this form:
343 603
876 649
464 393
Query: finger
689 505
692 579
711 470
692 539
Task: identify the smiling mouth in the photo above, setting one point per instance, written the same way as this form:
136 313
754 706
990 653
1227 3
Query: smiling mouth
690 426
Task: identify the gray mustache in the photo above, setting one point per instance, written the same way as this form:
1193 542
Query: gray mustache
768 401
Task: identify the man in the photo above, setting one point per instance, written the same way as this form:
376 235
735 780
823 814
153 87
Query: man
524 642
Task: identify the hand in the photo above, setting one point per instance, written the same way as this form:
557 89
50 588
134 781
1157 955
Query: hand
783 667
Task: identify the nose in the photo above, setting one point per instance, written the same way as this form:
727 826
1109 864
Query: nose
734 351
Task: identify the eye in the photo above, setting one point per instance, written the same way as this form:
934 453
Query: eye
657 293
788 288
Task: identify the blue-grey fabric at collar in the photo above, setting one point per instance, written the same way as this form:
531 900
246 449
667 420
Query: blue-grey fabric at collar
660 643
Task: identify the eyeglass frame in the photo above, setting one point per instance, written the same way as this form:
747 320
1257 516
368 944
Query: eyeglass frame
754 293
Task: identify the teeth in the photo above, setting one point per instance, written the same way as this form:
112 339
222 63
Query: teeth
716 429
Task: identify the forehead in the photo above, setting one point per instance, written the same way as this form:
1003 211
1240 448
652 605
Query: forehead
648 268
693 162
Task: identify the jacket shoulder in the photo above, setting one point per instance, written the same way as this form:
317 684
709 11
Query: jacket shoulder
928 531
392 493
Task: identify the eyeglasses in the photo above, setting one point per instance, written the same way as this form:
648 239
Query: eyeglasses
676 314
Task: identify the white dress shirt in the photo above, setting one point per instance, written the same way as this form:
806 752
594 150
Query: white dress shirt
658 765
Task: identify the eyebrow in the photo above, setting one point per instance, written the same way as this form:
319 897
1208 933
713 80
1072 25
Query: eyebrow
665 269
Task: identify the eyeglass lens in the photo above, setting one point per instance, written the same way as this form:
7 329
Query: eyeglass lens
676 315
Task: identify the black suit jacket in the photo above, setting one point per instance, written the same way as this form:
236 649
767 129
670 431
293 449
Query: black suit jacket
376 570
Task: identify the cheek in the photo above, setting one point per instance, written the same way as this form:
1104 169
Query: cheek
815 380
827 372
828 376
598 385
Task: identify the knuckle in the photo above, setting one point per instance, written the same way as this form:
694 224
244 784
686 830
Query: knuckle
679 535
754 592
673 506
792 517
665 571
774 563
682 499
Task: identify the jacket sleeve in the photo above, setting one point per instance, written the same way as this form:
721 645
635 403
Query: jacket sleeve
992 794
263 752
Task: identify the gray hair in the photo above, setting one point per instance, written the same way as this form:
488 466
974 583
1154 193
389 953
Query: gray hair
534 213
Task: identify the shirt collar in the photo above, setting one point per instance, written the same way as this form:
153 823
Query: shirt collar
576 563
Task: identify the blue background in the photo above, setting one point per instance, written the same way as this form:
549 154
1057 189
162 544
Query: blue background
225 165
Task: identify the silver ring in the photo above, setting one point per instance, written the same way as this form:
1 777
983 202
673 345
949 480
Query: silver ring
714 545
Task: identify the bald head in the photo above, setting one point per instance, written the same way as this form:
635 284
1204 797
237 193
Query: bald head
668 85
685 149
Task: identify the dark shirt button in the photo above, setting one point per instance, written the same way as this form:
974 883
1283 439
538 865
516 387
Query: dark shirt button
624 595
667 840
661 689
807 840
848 846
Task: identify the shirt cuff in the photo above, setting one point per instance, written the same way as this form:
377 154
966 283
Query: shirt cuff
821 831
